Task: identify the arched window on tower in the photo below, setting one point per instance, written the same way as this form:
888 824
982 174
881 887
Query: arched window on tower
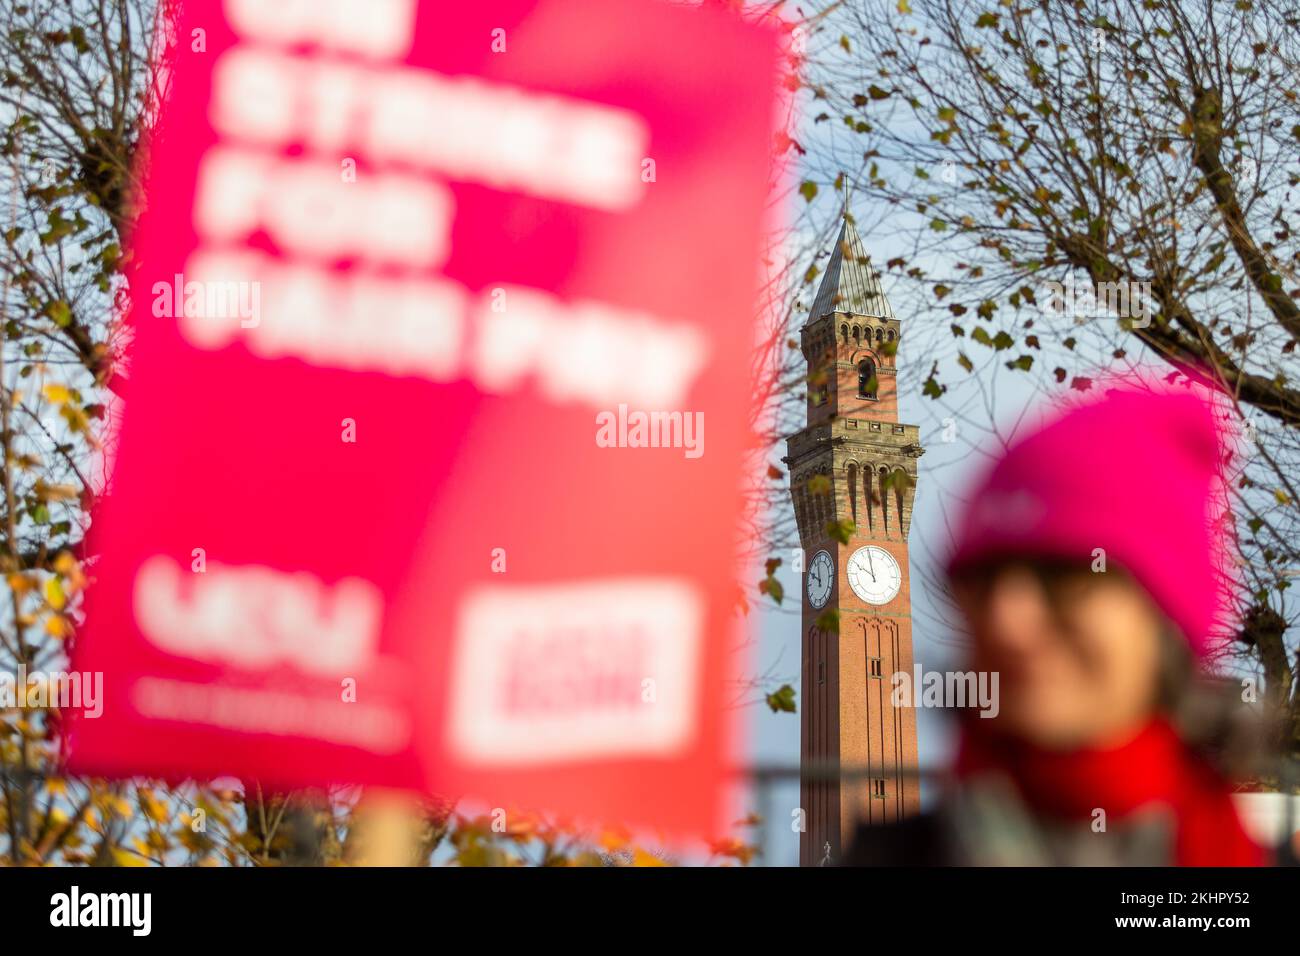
884 499
853 492
866 379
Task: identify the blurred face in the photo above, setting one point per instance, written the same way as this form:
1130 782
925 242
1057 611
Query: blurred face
1077 652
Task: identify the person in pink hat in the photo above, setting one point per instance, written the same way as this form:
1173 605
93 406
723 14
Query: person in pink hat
1090 567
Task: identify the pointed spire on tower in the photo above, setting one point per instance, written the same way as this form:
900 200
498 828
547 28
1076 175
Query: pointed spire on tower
849 283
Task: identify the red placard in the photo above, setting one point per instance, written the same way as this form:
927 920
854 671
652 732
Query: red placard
421 288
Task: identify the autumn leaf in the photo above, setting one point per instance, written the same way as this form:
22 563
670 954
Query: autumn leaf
734 848
773 588
54 595
840 531
153 808
828 621
782 700
59 313
75 416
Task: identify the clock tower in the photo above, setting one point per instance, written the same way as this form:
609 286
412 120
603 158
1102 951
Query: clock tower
852 477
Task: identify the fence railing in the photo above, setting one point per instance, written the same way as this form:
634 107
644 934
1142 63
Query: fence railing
764 777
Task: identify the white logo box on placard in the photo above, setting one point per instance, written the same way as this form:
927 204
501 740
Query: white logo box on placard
576 671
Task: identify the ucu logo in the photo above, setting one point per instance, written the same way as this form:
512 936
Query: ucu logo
255 617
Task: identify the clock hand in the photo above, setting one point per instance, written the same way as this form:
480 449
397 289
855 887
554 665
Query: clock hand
871 566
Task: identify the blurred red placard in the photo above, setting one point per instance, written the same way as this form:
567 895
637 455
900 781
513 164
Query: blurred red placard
412 280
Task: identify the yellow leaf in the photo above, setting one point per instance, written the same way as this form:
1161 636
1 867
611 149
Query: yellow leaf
126 858
57 393
48 492
68 566
154 808
54 593
641 858
56 626
77 419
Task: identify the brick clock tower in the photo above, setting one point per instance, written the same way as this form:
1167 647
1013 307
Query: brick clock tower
855 465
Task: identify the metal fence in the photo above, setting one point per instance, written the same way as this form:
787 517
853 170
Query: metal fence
764 778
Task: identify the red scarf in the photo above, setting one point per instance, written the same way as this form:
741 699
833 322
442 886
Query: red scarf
1156 766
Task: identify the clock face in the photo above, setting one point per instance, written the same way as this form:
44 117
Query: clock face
874 575
821 578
